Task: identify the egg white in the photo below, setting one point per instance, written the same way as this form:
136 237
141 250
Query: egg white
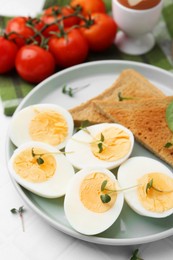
82 219
128 174
55 186
82 156
19 126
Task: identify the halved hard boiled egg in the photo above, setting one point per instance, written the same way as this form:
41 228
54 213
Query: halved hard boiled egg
149 186
46 123
104 145
84 204
41 168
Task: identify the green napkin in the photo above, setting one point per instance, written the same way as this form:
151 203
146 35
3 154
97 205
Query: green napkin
13 89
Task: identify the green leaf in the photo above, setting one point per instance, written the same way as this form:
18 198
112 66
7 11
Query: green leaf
64 89
105 198
102 138
21 209
169 116
70 92
40 161
14 211
120 98
135 255
85 123
104 183
168 145
100 146
32 151
149 185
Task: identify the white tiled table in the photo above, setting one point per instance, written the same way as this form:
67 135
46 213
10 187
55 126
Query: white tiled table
42 242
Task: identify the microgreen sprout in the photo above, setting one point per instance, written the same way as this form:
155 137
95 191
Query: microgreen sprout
100 142
67 91
39 156
20 212
103 186
105 198
121 98
151 186
83 125
39 159
135 255
168 144
71 91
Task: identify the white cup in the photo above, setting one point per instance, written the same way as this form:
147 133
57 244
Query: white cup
136 27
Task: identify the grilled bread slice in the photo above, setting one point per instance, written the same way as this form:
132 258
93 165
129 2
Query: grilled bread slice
147 121
130 83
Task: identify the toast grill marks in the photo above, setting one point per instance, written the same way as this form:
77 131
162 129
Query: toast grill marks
146 119
129 83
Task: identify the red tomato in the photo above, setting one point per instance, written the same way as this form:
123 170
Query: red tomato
90 6
53 13
20 31
101 31
8 51
70 49
34 63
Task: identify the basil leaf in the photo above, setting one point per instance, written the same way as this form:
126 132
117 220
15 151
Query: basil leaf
169 116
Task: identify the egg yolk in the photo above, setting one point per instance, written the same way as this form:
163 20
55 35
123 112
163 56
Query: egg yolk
115 146
153 200
26 165
48 127
90 191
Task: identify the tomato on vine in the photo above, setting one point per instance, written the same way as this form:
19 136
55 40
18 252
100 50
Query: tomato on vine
53 15
61 36
8 52
69 48
34 64
90 6
99 30
22 29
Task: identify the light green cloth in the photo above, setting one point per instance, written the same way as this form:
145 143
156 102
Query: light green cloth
13 89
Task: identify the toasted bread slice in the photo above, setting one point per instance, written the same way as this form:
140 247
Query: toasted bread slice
147 121
130 83
88 112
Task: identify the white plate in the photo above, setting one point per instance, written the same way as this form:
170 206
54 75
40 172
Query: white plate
130 228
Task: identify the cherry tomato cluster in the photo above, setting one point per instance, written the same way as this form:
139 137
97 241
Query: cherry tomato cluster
61 37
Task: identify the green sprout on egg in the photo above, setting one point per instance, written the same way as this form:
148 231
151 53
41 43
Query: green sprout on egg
39 156
150 186
100 142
